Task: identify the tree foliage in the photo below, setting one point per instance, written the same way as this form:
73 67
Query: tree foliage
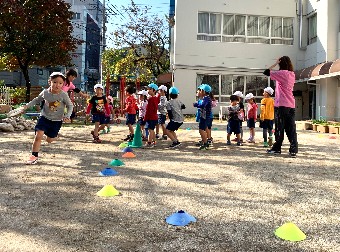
35 32
122 62
148 37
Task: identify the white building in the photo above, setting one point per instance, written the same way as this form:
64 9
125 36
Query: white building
228 44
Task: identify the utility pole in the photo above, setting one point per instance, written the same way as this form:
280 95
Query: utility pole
103 42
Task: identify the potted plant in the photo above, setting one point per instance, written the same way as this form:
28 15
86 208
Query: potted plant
334 128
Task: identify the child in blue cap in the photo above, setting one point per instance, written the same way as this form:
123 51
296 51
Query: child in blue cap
151 117
205 111
174 108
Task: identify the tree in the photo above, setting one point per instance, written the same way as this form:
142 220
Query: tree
124 62
35 32
148 37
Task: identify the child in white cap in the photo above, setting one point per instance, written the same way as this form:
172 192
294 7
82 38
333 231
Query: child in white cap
161 113
142 103
267 116
251 116
98 106
52 113
239 94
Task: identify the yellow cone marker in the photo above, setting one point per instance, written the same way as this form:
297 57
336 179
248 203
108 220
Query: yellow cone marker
290 232
108 191
123 145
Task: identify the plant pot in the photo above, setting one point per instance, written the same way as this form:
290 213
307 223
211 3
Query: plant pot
323 128
333 129
308 126
315 127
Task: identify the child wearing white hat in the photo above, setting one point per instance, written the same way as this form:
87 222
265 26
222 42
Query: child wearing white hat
142 103
251 116
162 112
267 116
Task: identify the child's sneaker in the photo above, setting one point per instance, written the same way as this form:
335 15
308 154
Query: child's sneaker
97 140
199 143
292 154
210 141
175 145
157 136
239 144
149 145
164 137
108 129
228 143
270 141
127 138
273 152
265 144
204 147
250 141
144 138
32 160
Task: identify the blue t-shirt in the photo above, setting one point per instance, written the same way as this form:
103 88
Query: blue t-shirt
205 107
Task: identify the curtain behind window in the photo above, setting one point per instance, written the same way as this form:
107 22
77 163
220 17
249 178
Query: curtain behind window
228 25
277 27
203 22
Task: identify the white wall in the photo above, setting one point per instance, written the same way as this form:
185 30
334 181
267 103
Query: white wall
192 56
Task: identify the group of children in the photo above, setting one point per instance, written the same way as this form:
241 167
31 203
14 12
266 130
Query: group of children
151 108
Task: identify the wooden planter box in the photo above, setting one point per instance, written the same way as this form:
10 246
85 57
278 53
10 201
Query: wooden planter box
333 129
308 126
315 127
323 128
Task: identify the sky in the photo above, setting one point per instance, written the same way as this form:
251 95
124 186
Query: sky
160 7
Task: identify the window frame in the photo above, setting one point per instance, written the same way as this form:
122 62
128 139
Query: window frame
313 39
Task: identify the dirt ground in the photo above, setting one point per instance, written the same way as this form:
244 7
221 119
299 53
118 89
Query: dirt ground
239 195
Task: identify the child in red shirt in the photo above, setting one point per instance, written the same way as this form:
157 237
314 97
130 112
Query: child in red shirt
151 116
251 116
130 110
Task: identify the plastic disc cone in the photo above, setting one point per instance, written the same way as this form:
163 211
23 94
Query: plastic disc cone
129 155
332 137
189 128
123 145
108 191
127 149
116 162
181 218
290 232
108 172
137 141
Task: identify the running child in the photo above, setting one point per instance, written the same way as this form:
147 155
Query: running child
251 116
205 111
130 111
97 106
174 108
162 112
151 117
52 113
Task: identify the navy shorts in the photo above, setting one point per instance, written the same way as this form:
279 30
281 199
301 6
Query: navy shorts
209 123
251 123
151 124
233 126
161 119
50 128
173 126
267 124
130 119
202 125
141 121
107 119
98 118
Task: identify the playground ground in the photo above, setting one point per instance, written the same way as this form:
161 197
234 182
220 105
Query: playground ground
239 195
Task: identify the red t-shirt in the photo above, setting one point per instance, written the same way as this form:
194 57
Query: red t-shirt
130 105
151 109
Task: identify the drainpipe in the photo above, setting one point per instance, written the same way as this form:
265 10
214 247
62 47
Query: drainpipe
300 25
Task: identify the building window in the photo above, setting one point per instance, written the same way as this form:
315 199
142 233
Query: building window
312 29
223 86
245 28
209 26
76 15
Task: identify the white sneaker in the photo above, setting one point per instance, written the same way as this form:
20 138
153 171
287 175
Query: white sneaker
32 160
